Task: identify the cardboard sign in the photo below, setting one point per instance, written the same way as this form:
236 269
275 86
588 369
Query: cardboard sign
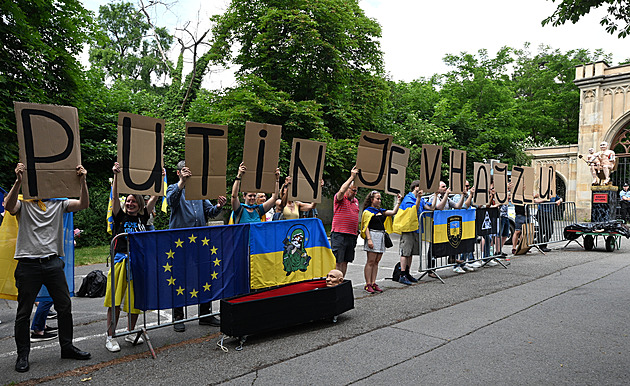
529 176
544 181
206 157
517 185
372 160
140 154
48 137
457 171
482 184
430 168
306 170
261 153
397 171
500 182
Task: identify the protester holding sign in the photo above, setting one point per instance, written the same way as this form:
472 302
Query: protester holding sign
38 249
189 214
291 209
376 224
345 222
132 218
249 211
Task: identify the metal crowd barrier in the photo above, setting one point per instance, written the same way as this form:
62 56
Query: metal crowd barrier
549 220
151 320
484 251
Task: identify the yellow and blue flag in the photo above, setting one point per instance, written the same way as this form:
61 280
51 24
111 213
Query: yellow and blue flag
406 219
110 212
288 251
164 203
366 216
8 239
453 232
180 267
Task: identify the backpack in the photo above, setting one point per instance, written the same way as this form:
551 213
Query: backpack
94 285
397 272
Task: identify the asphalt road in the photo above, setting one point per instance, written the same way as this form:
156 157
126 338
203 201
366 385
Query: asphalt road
555 319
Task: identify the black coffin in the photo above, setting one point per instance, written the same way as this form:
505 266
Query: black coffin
285 306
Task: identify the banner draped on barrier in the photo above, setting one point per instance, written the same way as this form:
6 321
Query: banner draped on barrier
8 238
175 268
288 251
454 231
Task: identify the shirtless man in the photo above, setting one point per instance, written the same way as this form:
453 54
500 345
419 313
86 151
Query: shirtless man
606 160
593 162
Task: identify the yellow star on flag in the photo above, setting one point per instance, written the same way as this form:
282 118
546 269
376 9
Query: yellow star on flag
179 243
214 250
216 261
206 287
167 267
192 238
170 254
171 281
193 293
180 290
205 241
214 275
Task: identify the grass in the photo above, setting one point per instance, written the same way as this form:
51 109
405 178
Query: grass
91 255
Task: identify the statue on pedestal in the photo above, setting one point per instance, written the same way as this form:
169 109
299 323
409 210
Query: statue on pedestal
606 161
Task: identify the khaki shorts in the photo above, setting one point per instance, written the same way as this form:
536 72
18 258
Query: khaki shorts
409 244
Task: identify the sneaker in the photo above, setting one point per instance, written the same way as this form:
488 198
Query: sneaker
411 278
376 288
491 263
111 345
458 270
131 339
545 249
403 280
368 288
42 337
506 261
51 315
179 327
50 329
469 267
476 264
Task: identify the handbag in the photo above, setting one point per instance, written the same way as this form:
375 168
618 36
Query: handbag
388 241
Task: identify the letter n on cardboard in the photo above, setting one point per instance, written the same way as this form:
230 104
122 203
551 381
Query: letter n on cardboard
48 137
140 154
306 170
206 157
372 160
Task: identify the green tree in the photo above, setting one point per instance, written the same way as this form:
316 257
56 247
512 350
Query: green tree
617 19
321 50
40 42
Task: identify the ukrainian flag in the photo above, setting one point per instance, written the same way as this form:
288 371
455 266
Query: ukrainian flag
288 251
406 220
366 216
453 231
110 212
164 204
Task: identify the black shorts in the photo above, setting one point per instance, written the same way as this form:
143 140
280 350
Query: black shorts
343 245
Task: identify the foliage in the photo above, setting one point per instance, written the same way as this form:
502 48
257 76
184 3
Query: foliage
40 42
573 10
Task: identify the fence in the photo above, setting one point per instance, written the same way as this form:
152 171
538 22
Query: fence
549 220
485 249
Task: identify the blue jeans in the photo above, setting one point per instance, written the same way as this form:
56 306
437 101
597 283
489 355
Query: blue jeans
39 320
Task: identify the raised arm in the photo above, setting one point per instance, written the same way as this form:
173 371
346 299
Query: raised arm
11 202
84 197
342 190
236 187
267 205
284 196
443 201
392 212
115 198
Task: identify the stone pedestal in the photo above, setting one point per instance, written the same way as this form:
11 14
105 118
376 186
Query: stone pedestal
603 203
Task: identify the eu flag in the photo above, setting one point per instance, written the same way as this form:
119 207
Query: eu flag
180 267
